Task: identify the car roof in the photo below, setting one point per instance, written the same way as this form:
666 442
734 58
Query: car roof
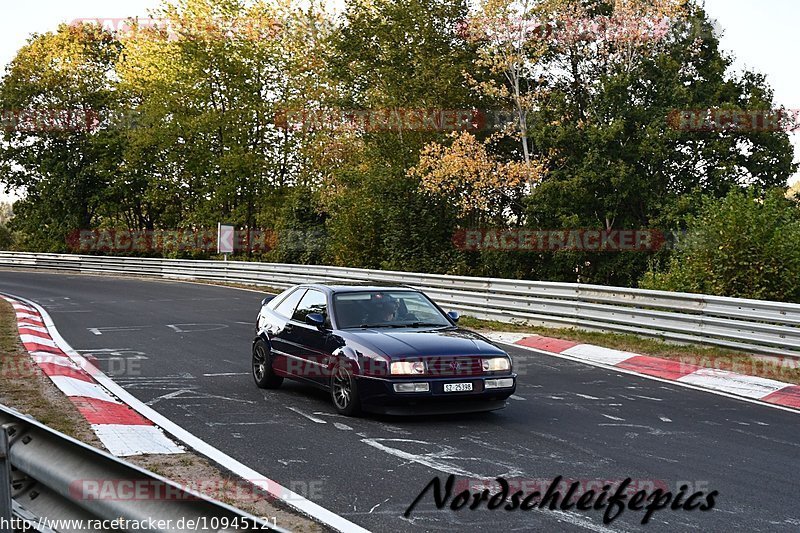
356 287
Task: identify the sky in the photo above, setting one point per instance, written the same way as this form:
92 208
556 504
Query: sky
760 33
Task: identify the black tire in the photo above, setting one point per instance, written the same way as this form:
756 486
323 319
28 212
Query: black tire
344 391
263 374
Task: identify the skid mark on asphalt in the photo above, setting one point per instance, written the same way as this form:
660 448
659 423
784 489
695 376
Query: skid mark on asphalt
442 459
218 424
434 461
168 383
310 417
191 394
196 328
567 445
378 505
650 430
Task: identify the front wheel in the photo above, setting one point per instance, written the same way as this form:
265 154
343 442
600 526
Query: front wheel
344 391
263 374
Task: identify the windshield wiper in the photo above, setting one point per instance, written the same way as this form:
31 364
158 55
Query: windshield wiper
422 325
370 326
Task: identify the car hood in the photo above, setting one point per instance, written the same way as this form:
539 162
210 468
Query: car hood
422 342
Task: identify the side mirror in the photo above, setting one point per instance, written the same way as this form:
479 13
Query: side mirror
316 320
267 300
454 316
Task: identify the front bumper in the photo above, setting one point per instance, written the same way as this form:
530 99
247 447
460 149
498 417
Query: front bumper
379 395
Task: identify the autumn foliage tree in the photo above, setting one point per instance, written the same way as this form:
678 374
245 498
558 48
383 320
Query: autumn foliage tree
190 127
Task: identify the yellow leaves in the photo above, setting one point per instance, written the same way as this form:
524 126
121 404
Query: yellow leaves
794 191
663 8
469 176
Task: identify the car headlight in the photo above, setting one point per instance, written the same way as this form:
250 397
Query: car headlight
408 368
496 364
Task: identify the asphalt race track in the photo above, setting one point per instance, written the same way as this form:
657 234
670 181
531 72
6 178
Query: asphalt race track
184 349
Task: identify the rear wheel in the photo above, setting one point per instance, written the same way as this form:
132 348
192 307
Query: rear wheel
344 391
263 374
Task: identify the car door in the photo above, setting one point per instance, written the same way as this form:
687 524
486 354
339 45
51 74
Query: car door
308 342
280 330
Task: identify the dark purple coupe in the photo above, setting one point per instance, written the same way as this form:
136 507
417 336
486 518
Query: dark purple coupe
382 349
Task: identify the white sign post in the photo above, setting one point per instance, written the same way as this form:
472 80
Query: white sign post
225 236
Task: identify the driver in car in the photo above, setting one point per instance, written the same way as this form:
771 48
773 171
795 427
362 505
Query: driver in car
387 311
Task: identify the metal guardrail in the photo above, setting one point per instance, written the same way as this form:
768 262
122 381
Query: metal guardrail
43 472
756 326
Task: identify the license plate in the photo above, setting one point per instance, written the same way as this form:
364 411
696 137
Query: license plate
458 387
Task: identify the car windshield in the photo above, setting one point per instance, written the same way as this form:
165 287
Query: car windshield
386 309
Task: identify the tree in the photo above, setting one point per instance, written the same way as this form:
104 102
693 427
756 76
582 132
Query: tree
394 55
617 162
474 180
56 90
746 245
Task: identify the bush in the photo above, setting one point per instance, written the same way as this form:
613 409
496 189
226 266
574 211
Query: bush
6 238
746 245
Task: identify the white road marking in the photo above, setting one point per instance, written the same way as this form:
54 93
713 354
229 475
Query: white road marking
748 386
169 396
126 353
586 396
76 387
33 327
124 440
613 418
179 328
312 418
99 331
227 374
518 398
37 340
597 354
509 338
343 427
664 419
49 358
648 398
378 505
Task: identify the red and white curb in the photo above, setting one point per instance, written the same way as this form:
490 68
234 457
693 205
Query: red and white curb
37 317
770 391
123 431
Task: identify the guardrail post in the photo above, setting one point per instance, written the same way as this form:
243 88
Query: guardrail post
5 483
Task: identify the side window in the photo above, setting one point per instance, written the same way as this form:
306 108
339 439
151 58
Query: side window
312 302
272 304
286 307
